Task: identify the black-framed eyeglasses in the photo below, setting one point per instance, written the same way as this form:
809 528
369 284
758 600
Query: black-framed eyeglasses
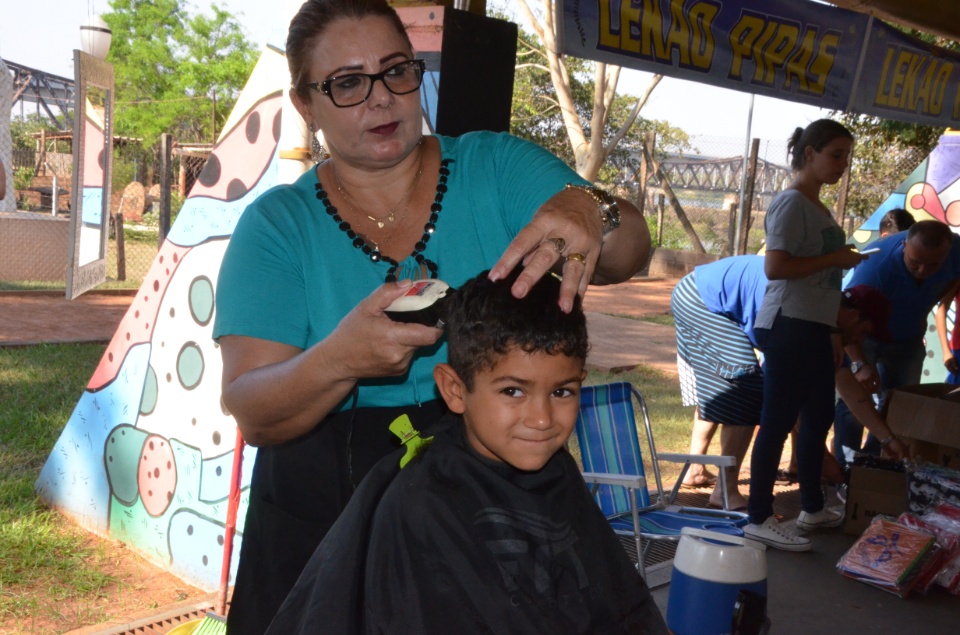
353 89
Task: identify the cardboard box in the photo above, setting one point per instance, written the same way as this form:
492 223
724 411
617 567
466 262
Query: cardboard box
873 491
927 417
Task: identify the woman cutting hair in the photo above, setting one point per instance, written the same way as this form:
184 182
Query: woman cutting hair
313 370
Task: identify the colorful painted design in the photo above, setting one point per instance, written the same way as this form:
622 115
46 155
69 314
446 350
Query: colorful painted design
147 455
92 210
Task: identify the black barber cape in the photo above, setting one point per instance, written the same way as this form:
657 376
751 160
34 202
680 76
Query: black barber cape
456 543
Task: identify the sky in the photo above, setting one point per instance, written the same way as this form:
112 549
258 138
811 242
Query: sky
42 34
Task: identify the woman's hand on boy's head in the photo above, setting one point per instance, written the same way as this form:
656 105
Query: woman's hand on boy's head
367 343
567 216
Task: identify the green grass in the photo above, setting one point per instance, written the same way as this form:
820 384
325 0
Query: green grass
47 563
663 320
32 285
44 560
139 248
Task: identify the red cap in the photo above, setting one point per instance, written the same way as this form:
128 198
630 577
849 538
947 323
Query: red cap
873 306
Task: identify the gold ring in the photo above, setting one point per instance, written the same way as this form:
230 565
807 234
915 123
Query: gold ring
558 243
578 257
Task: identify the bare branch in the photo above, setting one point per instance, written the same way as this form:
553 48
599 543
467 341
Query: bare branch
537 66
634 112
589 154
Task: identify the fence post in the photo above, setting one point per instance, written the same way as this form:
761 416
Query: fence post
841 210
649 140
166 181
661 204
732 229
39 168
747 202
121 254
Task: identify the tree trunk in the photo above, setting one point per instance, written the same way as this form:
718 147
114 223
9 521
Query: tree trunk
748 190
674 203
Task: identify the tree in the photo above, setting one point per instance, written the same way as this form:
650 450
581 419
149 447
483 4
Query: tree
887 151
174 72
144 65
217 60
591 145
23 129
537 113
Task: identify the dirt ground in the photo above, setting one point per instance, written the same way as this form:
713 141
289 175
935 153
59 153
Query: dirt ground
143 589
32 317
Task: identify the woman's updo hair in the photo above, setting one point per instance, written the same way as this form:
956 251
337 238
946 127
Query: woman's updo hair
312 20
818 134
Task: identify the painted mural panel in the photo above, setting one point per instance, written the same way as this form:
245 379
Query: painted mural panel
931 192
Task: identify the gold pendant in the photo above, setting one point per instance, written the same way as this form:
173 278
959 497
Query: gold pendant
382 221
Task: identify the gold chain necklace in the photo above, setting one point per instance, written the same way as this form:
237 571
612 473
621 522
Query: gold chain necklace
391 216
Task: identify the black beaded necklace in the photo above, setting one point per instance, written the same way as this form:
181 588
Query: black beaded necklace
374 252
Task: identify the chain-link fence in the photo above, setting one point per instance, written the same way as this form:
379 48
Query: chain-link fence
35 239
691 200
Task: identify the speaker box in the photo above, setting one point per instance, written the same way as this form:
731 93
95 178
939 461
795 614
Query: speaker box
470 65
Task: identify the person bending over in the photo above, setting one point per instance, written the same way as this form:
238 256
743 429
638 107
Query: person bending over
895 221
950 344
491 528
914 269
715 308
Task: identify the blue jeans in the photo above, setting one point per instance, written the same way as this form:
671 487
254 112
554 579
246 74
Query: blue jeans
899 363
798 379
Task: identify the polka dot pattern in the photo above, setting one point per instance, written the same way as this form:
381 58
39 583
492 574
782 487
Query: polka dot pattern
135 328
240 157
156 475
122 454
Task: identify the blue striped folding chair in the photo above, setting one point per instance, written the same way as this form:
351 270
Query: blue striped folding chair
613 469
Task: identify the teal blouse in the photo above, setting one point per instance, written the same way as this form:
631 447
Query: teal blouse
290 274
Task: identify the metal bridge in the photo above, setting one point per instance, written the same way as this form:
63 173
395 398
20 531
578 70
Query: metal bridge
723 175
48 92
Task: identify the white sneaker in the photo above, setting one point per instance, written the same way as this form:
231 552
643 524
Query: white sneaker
777 536
818 520
842 490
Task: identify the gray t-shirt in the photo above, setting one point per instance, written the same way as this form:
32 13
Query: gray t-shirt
799 226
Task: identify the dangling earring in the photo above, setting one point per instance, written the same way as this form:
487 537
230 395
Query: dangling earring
317 151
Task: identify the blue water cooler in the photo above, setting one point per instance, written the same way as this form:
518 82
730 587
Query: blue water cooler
710 570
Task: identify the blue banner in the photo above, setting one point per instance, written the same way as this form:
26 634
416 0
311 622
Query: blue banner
906 79
796 50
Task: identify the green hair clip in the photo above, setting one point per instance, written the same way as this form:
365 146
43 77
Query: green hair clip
409 437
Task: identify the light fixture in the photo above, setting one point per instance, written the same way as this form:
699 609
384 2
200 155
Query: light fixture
95 37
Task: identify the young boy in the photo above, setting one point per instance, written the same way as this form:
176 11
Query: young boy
491 529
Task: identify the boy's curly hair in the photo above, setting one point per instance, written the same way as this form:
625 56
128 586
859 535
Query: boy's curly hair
484 322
